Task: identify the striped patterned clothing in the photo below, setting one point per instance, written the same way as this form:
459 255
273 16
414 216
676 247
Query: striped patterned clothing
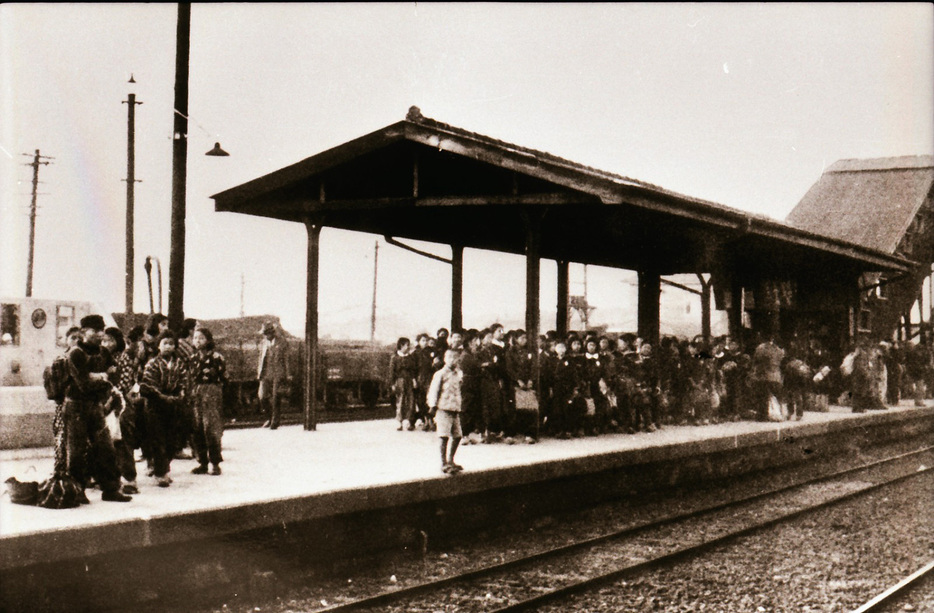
161 376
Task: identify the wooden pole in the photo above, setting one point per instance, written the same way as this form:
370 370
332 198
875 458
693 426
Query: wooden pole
130 196
179 169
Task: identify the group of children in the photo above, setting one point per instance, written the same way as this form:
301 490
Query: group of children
590 384
149 389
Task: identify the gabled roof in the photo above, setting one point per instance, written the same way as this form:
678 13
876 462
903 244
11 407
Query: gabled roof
425 180
870 202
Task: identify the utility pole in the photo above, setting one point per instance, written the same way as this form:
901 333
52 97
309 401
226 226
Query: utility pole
373 312
179 168
36 162
242 287
130 185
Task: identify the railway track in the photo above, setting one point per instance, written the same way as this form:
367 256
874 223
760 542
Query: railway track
527 582
889 597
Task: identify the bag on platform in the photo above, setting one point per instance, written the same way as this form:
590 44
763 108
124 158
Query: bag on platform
55 379
22 492
113 426
820 403
849 363
591 406
776 410
113 408
714 400
526 400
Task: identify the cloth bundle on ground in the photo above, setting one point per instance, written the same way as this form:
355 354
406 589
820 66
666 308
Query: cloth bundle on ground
22 492
56 492
61 492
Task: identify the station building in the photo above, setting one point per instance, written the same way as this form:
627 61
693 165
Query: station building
884 204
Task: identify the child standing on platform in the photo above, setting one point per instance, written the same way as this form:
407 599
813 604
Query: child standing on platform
403 378
162 385
208 374
444 398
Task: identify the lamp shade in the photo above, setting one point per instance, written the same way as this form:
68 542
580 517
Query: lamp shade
217 151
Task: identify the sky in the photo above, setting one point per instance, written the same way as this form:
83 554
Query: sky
740 104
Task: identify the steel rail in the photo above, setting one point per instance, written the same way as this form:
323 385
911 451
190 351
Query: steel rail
896 590
694 550
421 588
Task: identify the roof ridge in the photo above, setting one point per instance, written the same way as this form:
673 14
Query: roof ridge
902 162
415 116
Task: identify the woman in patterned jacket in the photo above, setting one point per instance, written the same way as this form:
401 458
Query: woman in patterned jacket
208 375
162 385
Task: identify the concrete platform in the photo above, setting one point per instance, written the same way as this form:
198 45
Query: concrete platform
290 476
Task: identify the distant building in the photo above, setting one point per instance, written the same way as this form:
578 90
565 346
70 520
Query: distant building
886 204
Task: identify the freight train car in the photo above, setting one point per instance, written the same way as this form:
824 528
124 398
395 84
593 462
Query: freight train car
352 374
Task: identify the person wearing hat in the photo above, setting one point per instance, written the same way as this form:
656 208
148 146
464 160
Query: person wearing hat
273 373
86 432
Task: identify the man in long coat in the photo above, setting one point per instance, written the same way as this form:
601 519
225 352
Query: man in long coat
273 373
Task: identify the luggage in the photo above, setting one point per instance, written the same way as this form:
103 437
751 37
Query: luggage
777 411
55 379
526 400
591 406
22 492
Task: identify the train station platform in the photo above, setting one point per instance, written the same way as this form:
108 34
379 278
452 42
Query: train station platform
359 482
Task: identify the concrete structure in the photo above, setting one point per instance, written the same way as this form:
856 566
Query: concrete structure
36 329
359 487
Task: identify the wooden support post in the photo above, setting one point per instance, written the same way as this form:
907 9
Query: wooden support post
533 241
561 317
921 331
650 291
735 312
310 381
457 287
908 325
706 287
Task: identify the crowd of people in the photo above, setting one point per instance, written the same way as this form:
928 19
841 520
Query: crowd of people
160 392
591 384
149 389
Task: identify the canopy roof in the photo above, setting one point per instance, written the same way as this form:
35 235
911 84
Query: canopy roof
424 180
